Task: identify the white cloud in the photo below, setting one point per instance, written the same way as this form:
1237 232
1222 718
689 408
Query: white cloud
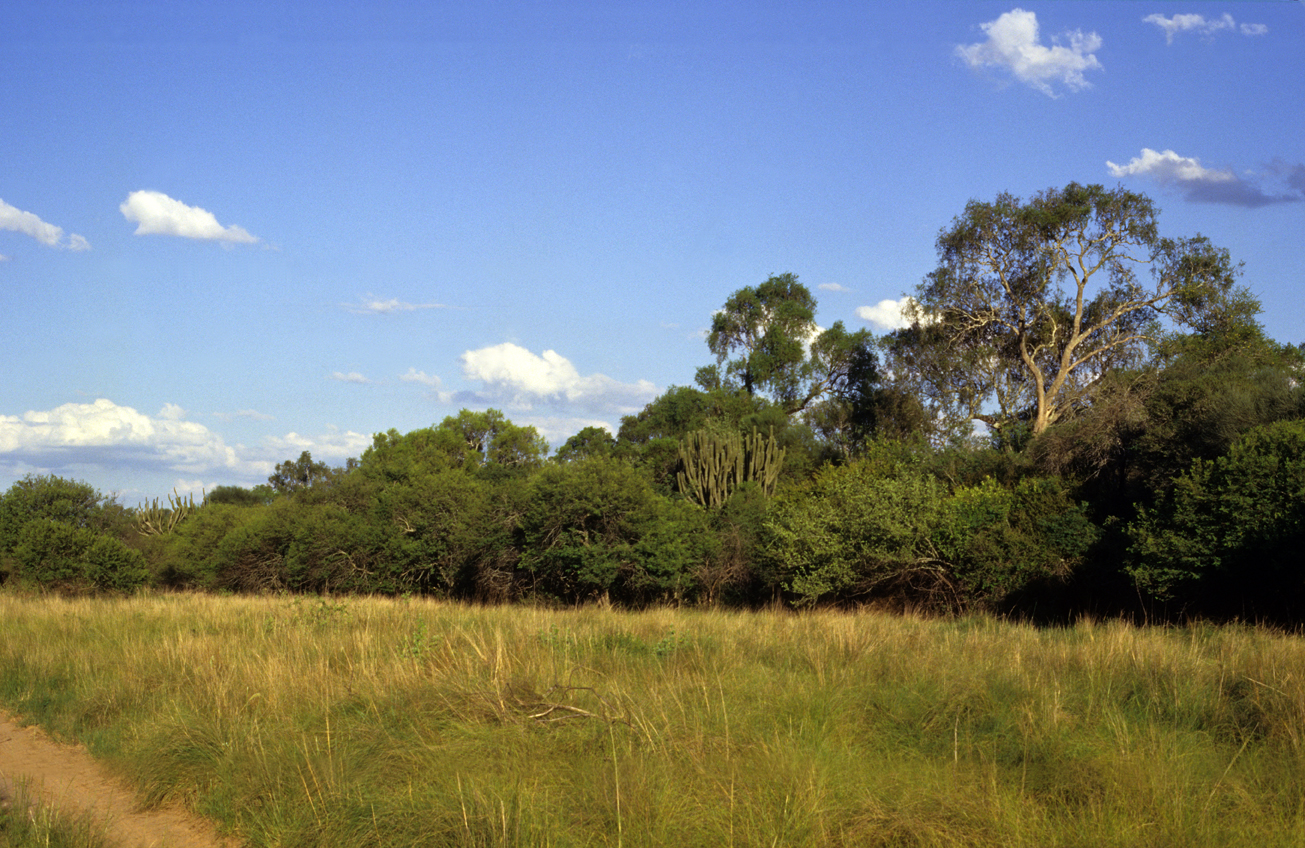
158 214
104 433
1207 185
118 442
12 218
832 287
556 430
888 314
1199 24
415 376
1169 167
335 444
372 305
514 376
350 377
1013 44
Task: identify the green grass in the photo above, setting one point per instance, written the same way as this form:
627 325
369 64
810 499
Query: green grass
24 824
371 722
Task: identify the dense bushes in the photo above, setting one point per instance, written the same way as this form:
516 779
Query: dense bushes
883 526
57 534
470 509
1232 528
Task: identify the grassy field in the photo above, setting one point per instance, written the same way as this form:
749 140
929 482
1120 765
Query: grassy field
377 722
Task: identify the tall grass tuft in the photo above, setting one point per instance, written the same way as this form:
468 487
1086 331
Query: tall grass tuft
375 722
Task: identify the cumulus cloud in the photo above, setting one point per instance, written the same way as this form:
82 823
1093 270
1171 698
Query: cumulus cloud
1207 28
119 442
1210 185
888 314
157 214
15 219
1014 45
350 377
105 433
372 305
516 377
833 287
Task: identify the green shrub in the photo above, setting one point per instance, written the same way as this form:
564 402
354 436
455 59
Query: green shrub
1229 529
60 557
856 529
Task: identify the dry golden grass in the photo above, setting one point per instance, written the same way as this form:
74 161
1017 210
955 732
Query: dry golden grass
361 721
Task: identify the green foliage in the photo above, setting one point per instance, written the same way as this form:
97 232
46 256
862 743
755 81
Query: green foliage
295 475
58 556
436 527
856 529
69 502
1033 301
239 496
883 525
1000 539
589 442
473 441
766 328
596 529
186 557
298 547
1234 526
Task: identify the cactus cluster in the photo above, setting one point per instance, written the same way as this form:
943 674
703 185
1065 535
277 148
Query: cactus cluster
154 520
714 463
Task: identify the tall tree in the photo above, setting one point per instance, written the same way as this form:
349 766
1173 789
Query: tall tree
766 330
778 349
1032 302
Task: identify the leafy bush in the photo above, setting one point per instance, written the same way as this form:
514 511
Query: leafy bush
1000 539
58 556
855 529
1233 527
596 529
54 498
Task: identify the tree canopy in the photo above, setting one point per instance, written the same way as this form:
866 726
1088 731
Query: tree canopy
1033 301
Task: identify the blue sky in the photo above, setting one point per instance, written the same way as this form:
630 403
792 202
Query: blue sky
233 232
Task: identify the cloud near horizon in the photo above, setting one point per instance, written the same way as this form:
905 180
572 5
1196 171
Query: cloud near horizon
157 214
1014 45
1200 184
516 377
18 221
76 438
1202 26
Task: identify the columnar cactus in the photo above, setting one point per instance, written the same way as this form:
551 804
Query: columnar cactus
153 520
713 464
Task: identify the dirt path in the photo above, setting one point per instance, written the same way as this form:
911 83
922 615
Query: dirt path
67 777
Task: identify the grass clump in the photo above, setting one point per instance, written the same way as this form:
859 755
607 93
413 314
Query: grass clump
25 823
375 722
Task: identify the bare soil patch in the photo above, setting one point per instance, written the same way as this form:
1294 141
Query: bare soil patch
67 777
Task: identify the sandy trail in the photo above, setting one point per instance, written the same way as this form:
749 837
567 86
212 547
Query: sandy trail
67 777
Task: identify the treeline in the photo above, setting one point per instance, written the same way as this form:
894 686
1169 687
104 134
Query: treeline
1140 449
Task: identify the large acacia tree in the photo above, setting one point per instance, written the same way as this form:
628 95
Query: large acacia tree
1032 302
